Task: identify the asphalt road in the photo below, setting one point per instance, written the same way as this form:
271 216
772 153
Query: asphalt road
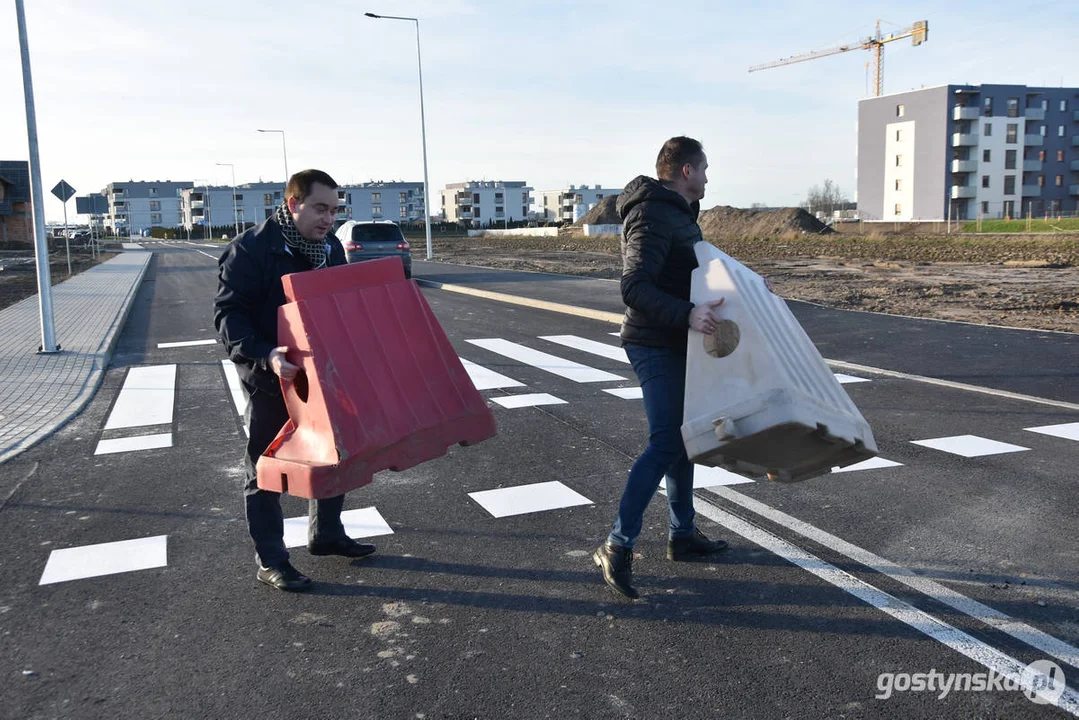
938 563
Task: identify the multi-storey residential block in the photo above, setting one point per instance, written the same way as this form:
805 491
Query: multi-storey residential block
400 202
570 204
137 206
968 151
486 202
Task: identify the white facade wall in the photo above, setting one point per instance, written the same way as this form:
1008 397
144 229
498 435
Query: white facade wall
899 171
486 202
571 203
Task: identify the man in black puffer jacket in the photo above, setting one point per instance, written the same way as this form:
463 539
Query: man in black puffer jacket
658 234
295 238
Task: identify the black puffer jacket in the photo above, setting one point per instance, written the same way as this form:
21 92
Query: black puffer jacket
249 291
658 233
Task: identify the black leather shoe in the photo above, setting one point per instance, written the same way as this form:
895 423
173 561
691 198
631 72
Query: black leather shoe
616 562
345 547
693 547
284 577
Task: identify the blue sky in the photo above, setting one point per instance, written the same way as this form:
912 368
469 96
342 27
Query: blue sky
553 92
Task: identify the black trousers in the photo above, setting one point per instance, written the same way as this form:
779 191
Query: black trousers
264 416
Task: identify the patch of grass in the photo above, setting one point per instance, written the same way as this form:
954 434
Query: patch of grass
1020 226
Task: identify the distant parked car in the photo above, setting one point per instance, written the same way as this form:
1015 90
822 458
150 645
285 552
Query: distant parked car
370 240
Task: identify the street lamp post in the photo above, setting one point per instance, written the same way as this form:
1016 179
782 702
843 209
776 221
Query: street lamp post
423 128
284 152
41 246
235 222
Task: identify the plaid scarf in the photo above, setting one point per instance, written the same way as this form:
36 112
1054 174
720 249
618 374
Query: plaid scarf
313 250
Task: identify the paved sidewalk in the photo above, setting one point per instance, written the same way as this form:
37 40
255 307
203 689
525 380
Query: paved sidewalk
39 393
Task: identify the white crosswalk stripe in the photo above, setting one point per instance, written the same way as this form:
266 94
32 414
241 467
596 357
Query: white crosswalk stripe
549 363
611 352
487 379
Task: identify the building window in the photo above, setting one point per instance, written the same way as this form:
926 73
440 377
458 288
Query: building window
524 211
1009 159
1009 184
239 198
899 161
1060 180
404 212
1041 181
987 130
475 197
1045 104
899 184
179 192
1041 156
402 197
153 192
376 197
1063 106
155 218
1013 107
899 111
524 197
985 207
1013 131
1060 156
899 136
267 199
155 205
899 206
987 107
376 209
1041 130
1060 131
985 181
986 154
498 197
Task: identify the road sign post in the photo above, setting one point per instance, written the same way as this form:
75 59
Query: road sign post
65 192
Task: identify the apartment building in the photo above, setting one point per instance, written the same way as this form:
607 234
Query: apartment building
137 206
570 204
400 202
486 202
969 151
16 218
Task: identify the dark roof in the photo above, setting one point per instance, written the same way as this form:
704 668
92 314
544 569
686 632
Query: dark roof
16 173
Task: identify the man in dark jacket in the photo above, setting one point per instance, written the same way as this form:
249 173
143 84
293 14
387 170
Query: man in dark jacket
295 238
658 233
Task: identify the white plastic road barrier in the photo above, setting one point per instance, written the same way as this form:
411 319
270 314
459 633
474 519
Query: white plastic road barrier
759 397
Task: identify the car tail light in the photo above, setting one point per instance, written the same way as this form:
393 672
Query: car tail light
403 245
351 246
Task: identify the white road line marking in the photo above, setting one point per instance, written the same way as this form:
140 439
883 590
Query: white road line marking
611 352
845 379
1068 431
523 499
870 464
109 558
994 618
531 400
549 363
233 379
146 398
185 343
359 523
212 257
133 444
631 393
486 379
953 385
969 445
707 477
942 632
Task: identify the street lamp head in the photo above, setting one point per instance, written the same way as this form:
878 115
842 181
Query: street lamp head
372 15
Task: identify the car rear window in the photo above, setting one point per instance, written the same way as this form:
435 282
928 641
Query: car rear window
376 233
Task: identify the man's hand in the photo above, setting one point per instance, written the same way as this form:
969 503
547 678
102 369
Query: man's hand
282 367
703 319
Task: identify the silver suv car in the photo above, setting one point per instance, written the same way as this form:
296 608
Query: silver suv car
372 239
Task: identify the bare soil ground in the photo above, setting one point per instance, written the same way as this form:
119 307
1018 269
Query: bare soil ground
1018 282
18 273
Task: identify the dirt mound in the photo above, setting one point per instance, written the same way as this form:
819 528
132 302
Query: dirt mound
724 221
602 214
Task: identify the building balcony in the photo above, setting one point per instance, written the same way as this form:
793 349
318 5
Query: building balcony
964 166
1034 113
969 112
1032 166
964 140
1033 140
198 203
464 216
1032 191
963 192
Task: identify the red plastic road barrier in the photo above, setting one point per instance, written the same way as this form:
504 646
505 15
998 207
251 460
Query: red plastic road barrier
380 386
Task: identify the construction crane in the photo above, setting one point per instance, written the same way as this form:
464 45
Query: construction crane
918 32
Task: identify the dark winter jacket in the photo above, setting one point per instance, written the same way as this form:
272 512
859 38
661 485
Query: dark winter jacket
249 291
658 233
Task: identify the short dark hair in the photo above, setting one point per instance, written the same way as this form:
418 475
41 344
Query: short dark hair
299 185
676 153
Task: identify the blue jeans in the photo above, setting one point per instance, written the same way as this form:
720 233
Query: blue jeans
662 374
